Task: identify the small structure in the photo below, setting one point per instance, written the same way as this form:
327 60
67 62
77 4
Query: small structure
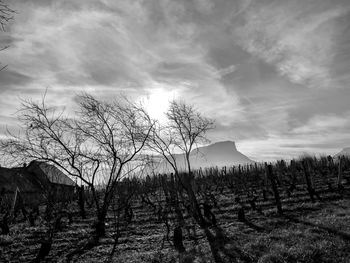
35 183
61 186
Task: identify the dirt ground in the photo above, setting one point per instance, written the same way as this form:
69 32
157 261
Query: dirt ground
307 232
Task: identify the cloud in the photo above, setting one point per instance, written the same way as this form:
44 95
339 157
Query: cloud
297 38
205 6
10 79
324 124
322 134
225 71
269 72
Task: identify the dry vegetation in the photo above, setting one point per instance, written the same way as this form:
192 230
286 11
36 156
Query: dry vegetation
136 225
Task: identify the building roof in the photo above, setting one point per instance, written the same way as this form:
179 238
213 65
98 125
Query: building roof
51 172
35 177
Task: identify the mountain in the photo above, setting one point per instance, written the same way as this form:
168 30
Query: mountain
219 154
345 151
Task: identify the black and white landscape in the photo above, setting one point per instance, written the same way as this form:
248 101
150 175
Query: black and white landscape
175 131
219 154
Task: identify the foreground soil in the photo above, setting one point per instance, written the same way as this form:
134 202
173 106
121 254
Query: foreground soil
307 232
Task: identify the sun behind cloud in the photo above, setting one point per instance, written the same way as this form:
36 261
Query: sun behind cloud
269 72
157 102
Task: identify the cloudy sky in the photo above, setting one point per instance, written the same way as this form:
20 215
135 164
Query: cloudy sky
274 74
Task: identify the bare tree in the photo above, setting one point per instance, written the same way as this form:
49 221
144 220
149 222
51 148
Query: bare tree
188 127
98 147
162 142
117 132
6 14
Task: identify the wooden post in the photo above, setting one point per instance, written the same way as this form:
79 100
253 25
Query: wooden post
340 173
330 165
293 176
265 183
13 207
274 189
308 180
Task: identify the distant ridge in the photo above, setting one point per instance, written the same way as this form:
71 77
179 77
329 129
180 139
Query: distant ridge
219 154
345 152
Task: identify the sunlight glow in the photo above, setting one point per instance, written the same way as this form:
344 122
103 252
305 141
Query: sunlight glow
157 102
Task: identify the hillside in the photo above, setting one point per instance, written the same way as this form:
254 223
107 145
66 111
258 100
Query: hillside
345 152
219 154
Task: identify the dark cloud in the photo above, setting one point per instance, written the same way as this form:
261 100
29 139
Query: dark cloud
6 40
319 102
10 79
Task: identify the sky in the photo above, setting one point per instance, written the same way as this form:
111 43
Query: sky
274 74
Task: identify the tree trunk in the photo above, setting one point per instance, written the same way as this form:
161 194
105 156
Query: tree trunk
197 213
100 228
5 230
241 214
214 247
194 205
178 240
82 202
340 174
175 202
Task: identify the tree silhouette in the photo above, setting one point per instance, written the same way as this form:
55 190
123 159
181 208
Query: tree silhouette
6 14
100 146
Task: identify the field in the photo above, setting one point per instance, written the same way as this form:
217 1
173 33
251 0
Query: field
306 230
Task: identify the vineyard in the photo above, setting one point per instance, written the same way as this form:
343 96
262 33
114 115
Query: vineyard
296 211
112 114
